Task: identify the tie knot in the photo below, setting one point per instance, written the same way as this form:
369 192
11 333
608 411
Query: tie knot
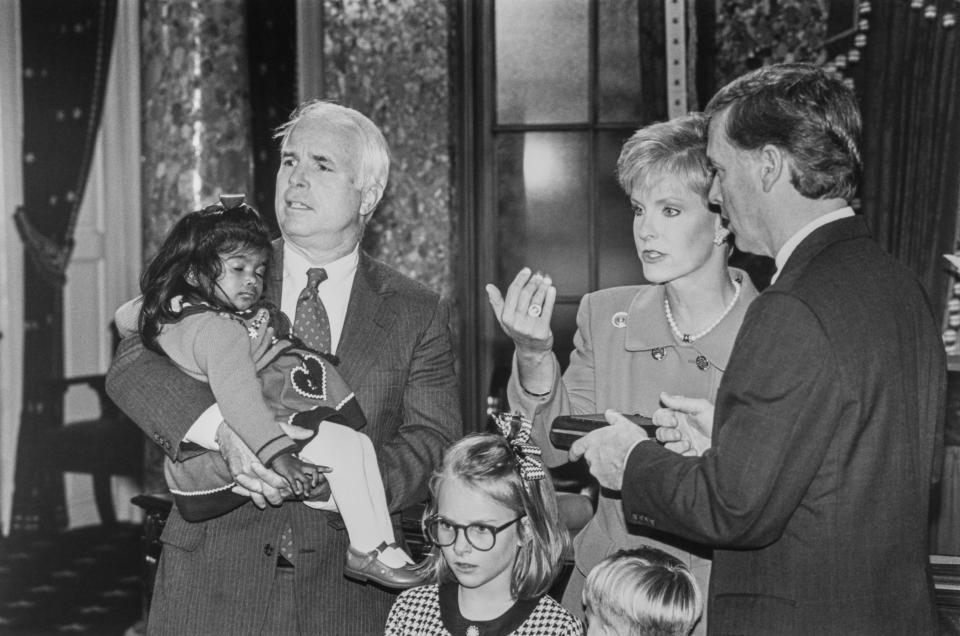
315 276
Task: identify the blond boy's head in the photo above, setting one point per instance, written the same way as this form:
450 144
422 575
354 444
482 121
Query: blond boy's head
645 592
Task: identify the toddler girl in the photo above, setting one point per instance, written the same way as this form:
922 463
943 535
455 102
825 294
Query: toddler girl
497 543
201 307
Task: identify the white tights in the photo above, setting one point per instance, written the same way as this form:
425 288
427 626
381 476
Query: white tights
356 486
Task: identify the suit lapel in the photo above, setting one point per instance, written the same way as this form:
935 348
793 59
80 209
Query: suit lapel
367 323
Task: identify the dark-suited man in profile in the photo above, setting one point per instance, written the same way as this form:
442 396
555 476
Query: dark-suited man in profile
827 429
232 574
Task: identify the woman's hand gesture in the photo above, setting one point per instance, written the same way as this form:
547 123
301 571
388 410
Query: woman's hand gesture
524 314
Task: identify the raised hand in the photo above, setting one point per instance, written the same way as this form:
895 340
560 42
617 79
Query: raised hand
524 313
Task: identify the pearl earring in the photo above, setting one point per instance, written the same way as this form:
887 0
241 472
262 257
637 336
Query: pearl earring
720 237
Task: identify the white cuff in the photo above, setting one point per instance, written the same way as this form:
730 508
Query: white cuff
204 430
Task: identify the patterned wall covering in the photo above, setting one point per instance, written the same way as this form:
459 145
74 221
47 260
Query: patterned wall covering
195 109
196 121
389 60
755 33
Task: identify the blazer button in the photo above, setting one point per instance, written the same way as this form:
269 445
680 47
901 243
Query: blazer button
268 549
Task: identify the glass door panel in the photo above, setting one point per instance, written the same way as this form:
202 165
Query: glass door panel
542 61
618 63
543 222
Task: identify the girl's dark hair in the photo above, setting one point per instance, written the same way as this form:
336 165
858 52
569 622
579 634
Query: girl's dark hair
193 248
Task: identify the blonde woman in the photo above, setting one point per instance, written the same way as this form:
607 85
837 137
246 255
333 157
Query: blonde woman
672 335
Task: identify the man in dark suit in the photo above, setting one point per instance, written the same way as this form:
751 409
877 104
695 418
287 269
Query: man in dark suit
231 575
828 422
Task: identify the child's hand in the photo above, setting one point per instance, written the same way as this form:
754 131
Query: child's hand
303 478
320 492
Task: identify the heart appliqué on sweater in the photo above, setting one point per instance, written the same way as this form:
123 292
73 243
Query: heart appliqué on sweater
310 378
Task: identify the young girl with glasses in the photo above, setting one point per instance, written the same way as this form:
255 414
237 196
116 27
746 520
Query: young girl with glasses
202 308
497 542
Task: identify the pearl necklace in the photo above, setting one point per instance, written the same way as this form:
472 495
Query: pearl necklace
687 338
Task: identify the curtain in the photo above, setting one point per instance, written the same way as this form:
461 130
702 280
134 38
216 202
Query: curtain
909 87
65 56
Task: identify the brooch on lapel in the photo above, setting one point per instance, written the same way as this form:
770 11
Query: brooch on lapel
310 378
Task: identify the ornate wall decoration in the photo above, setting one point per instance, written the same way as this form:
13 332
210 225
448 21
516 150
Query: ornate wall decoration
195 109
754 33
389 59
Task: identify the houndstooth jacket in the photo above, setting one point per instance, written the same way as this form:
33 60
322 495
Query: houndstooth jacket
431 610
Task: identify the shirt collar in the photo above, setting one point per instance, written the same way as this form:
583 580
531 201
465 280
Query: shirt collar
648 329
295 266
788 248
456 623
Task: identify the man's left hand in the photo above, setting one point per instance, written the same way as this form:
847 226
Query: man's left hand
606 449
254 480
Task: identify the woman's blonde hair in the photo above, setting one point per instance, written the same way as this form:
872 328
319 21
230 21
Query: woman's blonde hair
645 592
677 147
487 463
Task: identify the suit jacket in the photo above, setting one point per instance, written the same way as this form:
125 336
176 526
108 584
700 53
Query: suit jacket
827 431
214 577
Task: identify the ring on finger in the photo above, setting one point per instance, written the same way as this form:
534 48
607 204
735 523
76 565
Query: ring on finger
534 310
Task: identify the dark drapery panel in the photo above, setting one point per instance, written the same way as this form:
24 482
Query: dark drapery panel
272 55
909 84
65 57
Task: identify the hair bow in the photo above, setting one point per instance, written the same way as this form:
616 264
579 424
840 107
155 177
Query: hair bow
518 439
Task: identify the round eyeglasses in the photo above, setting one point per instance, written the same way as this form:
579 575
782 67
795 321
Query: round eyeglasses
443 532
